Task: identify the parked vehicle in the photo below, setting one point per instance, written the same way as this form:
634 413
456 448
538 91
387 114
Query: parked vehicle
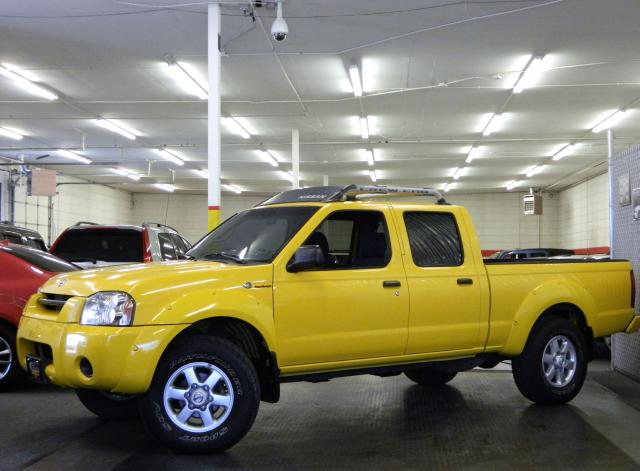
22 271
530 253
309 285
22 236
92 245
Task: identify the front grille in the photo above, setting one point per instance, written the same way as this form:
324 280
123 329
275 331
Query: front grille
53 302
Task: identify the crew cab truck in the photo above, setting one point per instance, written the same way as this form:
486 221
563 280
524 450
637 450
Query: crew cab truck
313 284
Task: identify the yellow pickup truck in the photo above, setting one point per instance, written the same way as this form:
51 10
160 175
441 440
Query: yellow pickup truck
313 284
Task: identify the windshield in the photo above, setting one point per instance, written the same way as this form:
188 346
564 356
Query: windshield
104 245
256 235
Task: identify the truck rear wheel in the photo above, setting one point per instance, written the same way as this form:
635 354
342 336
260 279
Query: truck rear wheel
109 406
204 396
430 376
553 366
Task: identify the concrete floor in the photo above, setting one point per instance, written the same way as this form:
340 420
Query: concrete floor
479 422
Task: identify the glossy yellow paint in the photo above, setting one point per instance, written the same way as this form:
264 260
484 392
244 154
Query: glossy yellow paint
322 320
213 217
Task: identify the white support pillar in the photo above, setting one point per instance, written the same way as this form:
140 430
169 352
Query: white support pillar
325 180
295 157
213 115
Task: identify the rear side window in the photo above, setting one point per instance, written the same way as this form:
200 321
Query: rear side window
100 245
167 248
434 239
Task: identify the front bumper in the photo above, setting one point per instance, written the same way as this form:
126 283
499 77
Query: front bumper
122 359
634 325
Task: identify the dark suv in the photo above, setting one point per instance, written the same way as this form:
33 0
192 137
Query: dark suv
22 236
91 245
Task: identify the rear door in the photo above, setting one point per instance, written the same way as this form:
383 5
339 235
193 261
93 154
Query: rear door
446 285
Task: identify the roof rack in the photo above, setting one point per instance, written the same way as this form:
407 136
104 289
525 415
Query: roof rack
86 223
353 192
158 224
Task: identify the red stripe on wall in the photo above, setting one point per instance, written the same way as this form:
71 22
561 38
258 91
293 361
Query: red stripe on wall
213 208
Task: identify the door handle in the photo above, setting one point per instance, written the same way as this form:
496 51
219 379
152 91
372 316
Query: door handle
465 281
390 284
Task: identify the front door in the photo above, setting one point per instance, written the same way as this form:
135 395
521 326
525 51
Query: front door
356 306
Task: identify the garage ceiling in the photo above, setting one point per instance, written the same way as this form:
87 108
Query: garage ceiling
432 72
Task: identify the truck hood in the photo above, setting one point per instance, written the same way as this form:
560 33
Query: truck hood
143 279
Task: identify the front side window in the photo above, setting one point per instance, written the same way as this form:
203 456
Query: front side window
256 235
167 249
434 239
353 239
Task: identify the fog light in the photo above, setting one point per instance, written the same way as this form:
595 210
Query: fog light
86 368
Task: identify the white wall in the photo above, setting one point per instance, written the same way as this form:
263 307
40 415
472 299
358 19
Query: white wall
584 214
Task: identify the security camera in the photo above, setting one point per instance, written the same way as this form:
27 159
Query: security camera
279 28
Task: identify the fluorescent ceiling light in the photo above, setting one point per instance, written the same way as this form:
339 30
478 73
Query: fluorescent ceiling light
512 184
287 175
566 150
494 124
529 75
73 156
535 170
26 84
203 173
170 156
611 121
447 187
235 127
356 83
10 134
474 153
457 173
373 175
116 128
268 156
186 81
364 127
165 187
369 156
233 188
126 173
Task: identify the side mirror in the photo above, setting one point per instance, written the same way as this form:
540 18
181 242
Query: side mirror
307 257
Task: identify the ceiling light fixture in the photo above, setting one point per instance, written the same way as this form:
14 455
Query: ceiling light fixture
288 175
566 150
10 134
447 187
373 175
126 173
530 74
116 128
369 156
201 172
494 123
364 127
170 156
235 127
188 82
611 121
512 184
165 187
356 82
67 154
535 170
23 82
268 156
474 153
457 173
236 189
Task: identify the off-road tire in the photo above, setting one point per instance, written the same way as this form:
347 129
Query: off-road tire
170 410
529 368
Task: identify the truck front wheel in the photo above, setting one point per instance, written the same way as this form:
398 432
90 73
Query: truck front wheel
204 396
553 365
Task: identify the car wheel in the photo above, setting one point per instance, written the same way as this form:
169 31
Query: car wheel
204 396
430 376
553 364
108 405
10 372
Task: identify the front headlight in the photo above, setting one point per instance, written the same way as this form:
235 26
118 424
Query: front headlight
108 308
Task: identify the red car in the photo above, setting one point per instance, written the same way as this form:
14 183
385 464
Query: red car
22 271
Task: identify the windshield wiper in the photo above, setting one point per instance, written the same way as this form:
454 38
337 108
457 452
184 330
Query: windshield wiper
225 256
